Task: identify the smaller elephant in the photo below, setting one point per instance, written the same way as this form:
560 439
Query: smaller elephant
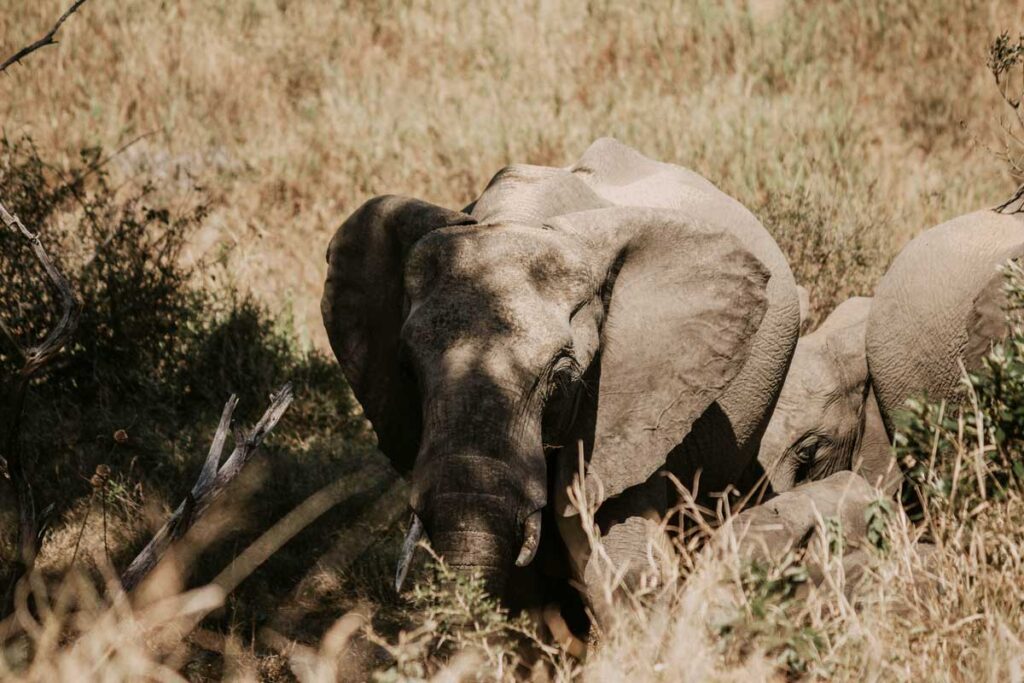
792 520
827 418
797 521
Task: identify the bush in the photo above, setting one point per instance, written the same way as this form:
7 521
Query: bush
139 390
835 250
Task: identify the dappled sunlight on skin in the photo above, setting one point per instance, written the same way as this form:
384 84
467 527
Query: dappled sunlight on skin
482 338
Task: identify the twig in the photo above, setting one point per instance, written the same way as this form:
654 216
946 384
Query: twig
12 402
48 39
210 484
1017 197
41 354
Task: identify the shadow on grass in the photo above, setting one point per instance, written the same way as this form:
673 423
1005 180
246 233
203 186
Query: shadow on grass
141 387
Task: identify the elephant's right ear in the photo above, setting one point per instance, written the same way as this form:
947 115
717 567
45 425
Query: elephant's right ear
362 307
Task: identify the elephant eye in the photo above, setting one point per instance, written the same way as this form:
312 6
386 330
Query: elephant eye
808 449
806 458
564 370
565 365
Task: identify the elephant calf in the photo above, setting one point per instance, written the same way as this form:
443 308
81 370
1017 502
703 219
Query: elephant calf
827 418
791 520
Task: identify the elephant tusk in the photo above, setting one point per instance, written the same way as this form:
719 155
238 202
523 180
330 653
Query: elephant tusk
531 539
408 548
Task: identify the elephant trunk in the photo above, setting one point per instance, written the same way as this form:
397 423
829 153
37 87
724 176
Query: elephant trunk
480 473
479 499
774 449
476 534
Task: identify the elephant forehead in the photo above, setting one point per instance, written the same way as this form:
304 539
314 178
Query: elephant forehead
470 315
500 261
812 369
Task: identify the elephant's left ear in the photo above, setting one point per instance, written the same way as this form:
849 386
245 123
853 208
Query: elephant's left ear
684 299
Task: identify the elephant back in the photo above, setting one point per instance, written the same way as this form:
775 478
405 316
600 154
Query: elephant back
939 307
726 439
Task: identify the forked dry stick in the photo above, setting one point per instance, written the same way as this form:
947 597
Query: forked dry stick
12 400
212 482
48 39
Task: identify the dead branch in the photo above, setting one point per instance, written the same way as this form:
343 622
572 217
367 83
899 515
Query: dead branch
211 483
39 356
12 399
1014 204
48 39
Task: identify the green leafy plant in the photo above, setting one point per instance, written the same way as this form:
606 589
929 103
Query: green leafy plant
152 361
878 517
769 618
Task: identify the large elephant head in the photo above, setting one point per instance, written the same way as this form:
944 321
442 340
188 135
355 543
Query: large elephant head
826 418
470 341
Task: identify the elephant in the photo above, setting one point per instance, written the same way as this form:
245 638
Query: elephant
797 521
620 307
935 313
939 307
793 518
827 418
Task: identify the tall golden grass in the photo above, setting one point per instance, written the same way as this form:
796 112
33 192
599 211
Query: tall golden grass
292 113
847 127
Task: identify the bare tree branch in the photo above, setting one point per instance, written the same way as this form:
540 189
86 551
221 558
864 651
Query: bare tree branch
1014 204
210 484
12 400
40 355
48 39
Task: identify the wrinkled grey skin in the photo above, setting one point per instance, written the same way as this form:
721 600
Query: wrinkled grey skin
617 302
789 520
940 306
795 520
827 418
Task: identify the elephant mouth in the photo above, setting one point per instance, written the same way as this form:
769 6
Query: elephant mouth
490 554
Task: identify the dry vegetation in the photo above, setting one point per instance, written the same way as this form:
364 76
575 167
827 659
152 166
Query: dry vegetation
838 120
238 135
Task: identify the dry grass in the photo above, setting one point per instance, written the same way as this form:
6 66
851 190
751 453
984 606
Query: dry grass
839 124
954 613
293 113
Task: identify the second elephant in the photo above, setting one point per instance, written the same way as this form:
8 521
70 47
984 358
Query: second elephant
935 313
